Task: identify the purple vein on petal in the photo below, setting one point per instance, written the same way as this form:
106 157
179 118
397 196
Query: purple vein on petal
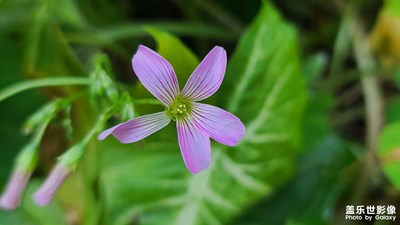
162 72
219 124
207 77
195 146
156 74
141 127
158 87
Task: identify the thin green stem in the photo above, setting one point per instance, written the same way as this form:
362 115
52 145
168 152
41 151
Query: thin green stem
340 49
370 84
99 124
28 157
106 36
72 157
40 132
221 15
370 176
147 102
46 82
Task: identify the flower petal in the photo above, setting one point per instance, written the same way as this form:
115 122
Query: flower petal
219 124
11 197
156 74
195 146
138 128
207 77
107 132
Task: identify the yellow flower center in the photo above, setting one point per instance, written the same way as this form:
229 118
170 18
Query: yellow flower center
180 108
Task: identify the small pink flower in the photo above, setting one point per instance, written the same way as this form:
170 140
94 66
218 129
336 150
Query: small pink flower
11 197
196 122
53 182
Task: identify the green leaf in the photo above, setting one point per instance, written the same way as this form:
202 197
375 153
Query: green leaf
316 124
393 7
311 195
314 66
389 153
147 182
14 15
68 13
263 85
14 110
397 76
393 110
46 50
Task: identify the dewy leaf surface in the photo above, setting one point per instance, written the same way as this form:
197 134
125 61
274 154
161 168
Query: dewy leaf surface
147 182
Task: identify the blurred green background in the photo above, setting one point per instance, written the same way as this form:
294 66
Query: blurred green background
315 82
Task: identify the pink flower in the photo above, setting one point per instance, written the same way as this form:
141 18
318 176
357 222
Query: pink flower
53 182
195 122
11 197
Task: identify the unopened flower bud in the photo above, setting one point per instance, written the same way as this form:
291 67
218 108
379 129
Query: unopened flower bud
103 85
25 164
53 182
43 115
11 197
128 109
67 163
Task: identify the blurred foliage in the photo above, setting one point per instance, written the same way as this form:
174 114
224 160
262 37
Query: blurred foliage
13 114
389 151
30 213
386 33
293 78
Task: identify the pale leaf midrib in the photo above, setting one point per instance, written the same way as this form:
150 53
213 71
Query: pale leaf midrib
248 71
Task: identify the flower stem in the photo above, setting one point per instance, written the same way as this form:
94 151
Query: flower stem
221 15
372 92
147 101
72 157
46 82
370 85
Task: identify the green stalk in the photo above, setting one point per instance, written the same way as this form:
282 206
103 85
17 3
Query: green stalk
46 82
147 102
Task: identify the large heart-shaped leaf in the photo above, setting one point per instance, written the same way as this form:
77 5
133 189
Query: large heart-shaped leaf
147 182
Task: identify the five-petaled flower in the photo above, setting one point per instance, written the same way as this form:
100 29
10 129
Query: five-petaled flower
195 122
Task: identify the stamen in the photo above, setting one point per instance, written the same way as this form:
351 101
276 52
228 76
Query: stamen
179 108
